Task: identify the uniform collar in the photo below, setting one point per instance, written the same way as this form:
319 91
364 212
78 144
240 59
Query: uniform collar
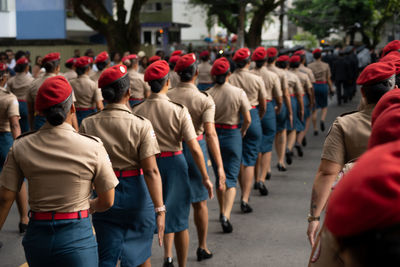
156 96
186 85
242 70
84 76
117 106
49 75
3 89
63 126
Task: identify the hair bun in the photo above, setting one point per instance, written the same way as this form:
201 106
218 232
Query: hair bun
108 93
55 116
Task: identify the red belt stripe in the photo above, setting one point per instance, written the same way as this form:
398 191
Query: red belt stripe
320 82
266 100
84 109
200 137
226 126
135 99
128 173
253 107
169 154
22 100
292 95
59 215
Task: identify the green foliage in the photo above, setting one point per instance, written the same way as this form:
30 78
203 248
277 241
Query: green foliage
307 39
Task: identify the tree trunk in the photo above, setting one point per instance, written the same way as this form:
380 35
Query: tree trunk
242 16
281 20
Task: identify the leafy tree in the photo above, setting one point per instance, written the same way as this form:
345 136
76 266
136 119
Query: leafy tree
121 36
306 39
321 17
227 12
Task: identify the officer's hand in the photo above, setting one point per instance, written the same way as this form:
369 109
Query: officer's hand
291 120
222 179
278 110
243 132
208 184
302 115
312 231
161 227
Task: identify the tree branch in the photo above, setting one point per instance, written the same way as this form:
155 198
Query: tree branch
121 11
98 10
85 17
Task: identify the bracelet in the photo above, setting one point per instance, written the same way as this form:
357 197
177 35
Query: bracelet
160 209
311 218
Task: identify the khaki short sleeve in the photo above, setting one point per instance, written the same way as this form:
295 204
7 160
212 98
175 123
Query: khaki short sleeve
187 129
104 178
149 145
13 107
299 88
312 77
73 96
97 94
261 89
309 85
146 87
11 176
277 89
334 146
244 102
284 83
209 111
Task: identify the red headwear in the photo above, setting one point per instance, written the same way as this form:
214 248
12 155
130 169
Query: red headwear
387 127
220 66
51 57
111 75
154 59
259 54
174 59
283 58
317 51
71 60
299 53
390 98
156 71
53 91
376 72
102 57
241 54
3 67
22 61
83 62
392 46
272 52
177 53
295 59
204 54
394 58
185 62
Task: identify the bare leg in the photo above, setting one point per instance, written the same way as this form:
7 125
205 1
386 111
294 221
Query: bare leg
147 263
265 162
258 167
230 194
291 139
168 244
22 204
200 213
280 146
324 111
314 119
221 201
182 246
247 177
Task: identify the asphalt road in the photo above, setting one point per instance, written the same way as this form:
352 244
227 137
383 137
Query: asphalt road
274 235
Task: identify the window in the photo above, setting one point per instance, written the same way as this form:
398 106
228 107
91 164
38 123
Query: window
158 6
3 5
152 7
147 37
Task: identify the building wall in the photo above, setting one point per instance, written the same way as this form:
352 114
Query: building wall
8 20
40 19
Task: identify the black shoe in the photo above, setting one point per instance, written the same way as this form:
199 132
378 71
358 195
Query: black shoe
280 168
226 225
315 133
255 186
221 217
22 228
299 150
268 177
304 142
245 207
288 157
168 262
322 124
262 188
202 254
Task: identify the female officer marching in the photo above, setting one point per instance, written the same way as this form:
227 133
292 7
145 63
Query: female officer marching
61 167
230 103
172 123
126 230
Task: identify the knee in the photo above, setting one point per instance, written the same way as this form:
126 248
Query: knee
200 206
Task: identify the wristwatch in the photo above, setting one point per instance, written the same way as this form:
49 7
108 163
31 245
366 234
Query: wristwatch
311 218
160 210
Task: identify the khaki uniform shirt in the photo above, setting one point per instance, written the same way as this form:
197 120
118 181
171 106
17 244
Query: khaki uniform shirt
19 84
9 107
32 92
348 137
86 92
271 81
60 165
321 71
138 85
252 84
96 76
127 137
204 73
171 121
70 74
230 102
174 79
201 106
304 80
295 86
307 71
282 76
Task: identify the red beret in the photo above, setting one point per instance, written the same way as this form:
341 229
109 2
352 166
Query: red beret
368 197
295 59
392 46
125 58
387 127
154 59
283 58
185 62
156 71
71 60
53 91
390 98
3 67
51 57
220 66
241 54
111 75
272 52
299 53
176 53
317 51
394 58
174 59
204 54
83 62
376 72
102 57
259 54
22 61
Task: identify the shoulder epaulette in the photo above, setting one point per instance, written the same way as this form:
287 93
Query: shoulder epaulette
137 104
348 113
90 115
139 116
26 134
90 136
204 92
182 106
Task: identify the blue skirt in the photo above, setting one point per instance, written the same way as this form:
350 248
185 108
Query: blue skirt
298 124
198 191
252 140
176 192
321 95
23 112
230 144
281 118
126 230
38 122
6 141
268 125
81 114
307 110
60 243
135 101
204 86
